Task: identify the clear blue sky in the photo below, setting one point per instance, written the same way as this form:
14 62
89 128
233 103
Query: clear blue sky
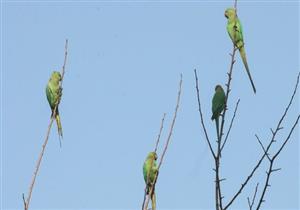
122 74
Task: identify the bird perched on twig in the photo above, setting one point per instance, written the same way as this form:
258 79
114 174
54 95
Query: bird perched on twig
54 93
218 105
150 171
235 31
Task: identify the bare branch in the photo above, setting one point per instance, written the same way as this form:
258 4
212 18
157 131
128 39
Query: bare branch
201 116
160 131
235 4
262 146
233 117
26 204
151 190
173 123
221 133
287 108
227 95
274 133
253 199
288 137
261 200
156 145
271 170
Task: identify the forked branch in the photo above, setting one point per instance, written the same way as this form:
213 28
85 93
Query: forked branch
151 190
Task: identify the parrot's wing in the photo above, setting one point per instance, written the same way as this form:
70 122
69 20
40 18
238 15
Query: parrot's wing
145 171
218 104
50 96
240 29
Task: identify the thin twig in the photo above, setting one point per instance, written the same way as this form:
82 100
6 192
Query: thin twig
201 116
261 200
151 190
227 92
219 197
160 131
221 133
271 160
231 123
173 123
26 204
286 140
274 133
262 146
235 5
253 199
218 156
156 146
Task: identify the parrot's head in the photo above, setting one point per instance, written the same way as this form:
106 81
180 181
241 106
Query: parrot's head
56 76
218 88
152 155
230 13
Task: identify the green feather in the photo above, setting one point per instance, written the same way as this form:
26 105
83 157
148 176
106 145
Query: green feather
235 31
53 93
149 171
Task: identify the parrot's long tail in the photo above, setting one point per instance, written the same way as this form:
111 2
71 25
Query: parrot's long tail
218 131
153 200
243 55
59 127
217 127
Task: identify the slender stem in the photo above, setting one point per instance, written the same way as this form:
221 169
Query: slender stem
231 123
156 145
160 131
201 116
151 190
271 160
266 150
26 205
253 199
27 202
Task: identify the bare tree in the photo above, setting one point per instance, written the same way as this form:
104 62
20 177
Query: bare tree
216 152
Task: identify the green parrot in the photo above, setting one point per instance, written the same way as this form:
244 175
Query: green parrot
235 31
150 170
218 105
54 92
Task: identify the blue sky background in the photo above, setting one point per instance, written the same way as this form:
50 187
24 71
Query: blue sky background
122 74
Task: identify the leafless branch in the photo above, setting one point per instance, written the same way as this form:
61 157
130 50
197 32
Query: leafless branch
173 123
217 155
262 146
231 123
253 199
201 116
160 131
151 190
227 93
27 202
286 140
271 160
235 4
274 133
